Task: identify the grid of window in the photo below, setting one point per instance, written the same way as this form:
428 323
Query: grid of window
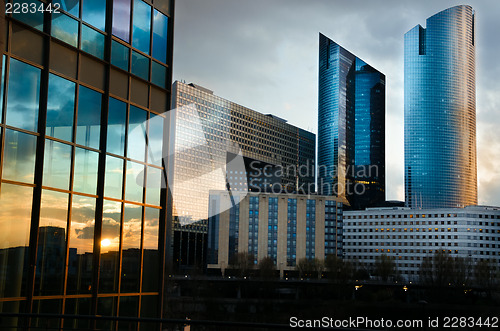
272 229
333 228
410 237
310 228
234 225
209 122
291 233
253 227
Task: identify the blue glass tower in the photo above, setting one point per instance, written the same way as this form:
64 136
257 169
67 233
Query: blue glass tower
440 111
351 127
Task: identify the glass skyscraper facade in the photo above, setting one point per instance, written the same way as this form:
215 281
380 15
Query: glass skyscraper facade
83 96
217 144
351 127
440 111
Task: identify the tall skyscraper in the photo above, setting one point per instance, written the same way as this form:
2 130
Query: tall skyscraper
217 144
351 127
440 111
83 97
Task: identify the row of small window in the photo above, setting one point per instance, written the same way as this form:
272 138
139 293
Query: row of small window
23 108
93 12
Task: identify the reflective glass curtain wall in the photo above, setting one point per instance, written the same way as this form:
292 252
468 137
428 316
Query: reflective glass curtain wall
351 127
83 212
440 111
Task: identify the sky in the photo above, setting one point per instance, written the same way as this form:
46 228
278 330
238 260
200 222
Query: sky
263 54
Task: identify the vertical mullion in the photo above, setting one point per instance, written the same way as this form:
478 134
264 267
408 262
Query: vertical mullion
102 159
38 176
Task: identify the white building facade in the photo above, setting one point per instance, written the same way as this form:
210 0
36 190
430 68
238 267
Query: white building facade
410 235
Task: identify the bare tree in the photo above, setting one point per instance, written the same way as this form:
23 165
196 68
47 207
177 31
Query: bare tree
266 267
385 267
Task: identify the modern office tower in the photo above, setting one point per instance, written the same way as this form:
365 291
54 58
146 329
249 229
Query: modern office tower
440 111
285 227
82 214
217 144
409 236
351 127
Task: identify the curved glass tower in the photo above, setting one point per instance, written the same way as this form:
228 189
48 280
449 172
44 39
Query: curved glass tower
440 111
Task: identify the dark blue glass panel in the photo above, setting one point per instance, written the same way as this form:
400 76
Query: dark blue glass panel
136 142
2 86
94 13
92 42
119 55
35 19
65 28
140 65
70 6
121 23
160 36
158 74
60 108
117 120
23 95
142 26
89 118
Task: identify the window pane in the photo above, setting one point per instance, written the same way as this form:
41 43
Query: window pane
110 243
65 28
117 120
153 186
121 26
56 164
94 13
51 254
23 95
142 26
134 181
155 139
86 163
158 74
160 29
119 55
70 6
89 118
131 254
151 230
60 108
81 245
34 19
15 220
113 182
19 156
92 42
136 142
140 65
